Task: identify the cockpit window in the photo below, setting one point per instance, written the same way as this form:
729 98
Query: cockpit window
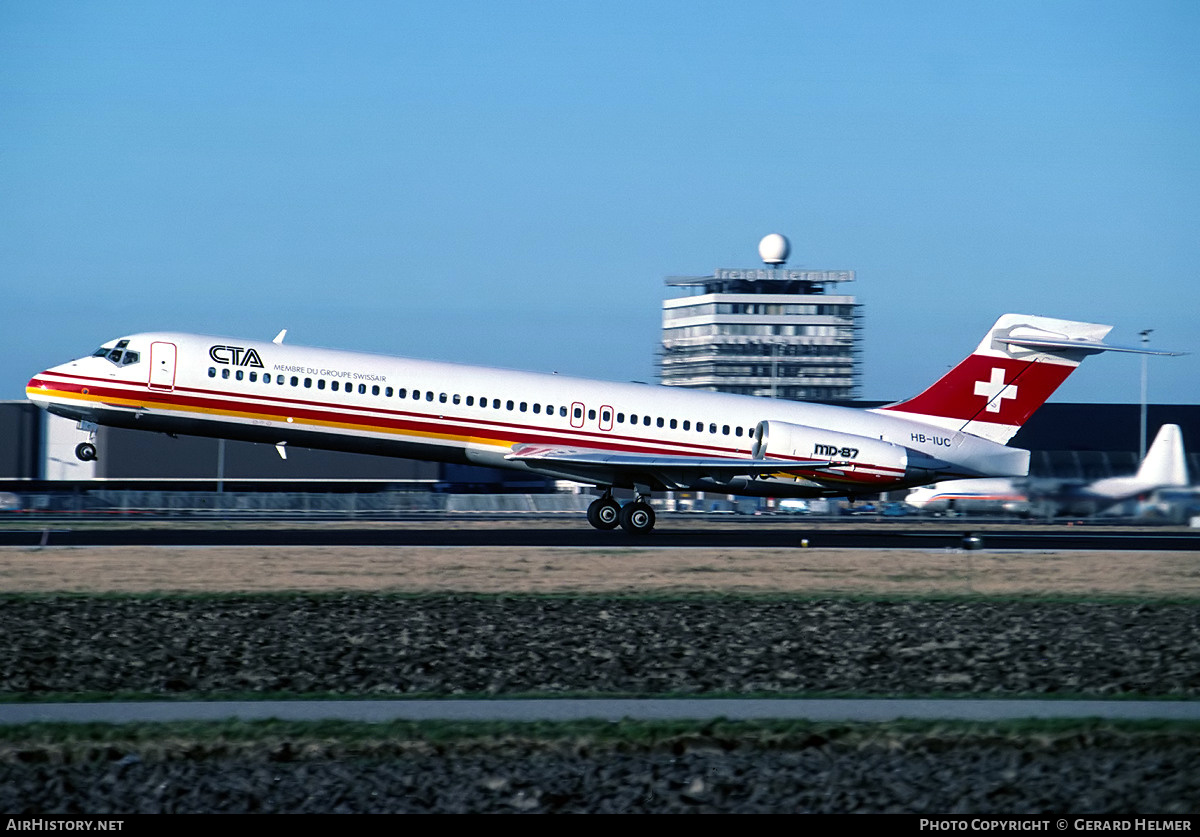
118 354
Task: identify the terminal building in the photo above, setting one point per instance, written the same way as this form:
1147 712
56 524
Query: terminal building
770 331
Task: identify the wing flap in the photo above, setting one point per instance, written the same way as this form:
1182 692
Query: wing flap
670 470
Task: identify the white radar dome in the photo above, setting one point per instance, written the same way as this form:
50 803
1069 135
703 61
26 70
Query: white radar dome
774 249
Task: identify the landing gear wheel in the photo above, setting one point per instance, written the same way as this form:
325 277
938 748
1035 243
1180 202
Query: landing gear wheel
85 451
637 518
604 513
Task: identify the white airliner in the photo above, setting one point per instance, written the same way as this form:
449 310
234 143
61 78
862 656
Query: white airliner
611 435
1165 466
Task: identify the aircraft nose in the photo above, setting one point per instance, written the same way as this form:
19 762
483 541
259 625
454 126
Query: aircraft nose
36 388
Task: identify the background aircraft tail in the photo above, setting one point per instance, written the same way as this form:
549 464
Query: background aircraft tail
1017 366
1165 466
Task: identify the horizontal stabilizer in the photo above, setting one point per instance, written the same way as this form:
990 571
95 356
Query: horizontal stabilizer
1090 347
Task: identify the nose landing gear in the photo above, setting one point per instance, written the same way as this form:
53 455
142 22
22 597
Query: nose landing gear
86 451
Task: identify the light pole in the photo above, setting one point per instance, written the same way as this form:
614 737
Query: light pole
1142 428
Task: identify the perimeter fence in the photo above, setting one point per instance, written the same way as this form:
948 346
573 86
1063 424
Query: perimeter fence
293 504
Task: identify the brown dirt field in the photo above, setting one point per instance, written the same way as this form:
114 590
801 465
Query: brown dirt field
616 570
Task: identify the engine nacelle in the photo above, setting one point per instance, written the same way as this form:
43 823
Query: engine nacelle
858 464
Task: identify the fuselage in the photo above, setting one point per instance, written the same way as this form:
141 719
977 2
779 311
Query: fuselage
323 398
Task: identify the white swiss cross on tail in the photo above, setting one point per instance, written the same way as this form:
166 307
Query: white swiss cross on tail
995 390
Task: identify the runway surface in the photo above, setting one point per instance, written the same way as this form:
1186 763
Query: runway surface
647 709
571 533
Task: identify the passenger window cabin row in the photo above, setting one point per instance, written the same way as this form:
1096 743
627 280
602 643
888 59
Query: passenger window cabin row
606 416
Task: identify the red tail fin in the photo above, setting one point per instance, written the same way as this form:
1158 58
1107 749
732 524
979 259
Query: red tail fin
1018 365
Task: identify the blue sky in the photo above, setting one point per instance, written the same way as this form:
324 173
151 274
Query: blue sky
509 183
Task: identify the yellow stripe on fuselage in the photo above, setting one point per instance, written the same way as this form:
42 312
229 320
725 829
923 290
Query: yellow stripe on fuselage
142 404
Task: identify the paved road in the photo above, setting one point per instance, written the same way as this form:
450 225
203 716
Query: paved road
569 533
647 709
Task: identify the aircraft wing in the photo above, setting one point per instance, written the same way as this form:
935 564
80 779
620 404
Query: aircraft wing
663 471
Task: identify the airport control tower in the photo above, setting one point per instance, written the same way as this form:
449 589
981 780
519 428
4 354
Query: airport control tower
773 331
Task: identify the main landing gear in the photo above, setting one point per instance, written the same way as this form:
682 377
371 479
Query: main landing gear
635 517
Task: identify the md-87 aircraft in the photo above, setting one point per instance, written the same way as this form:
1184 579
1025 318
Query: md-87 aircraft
611 435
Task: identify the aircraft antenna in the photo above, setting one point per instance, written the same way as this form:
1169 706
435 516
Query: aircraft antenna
1142 429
